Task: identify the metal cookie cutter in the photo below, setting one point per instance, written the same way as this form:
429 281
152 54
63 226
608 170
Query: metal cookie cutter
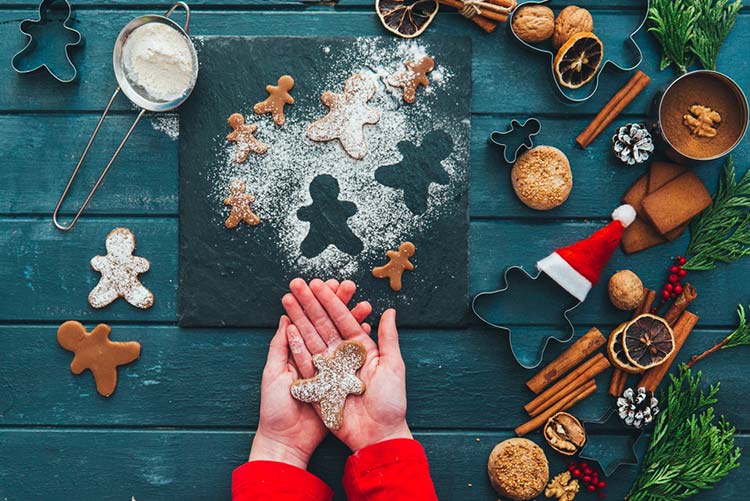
537 298
608 449
51 13
136 95
579 95
504 138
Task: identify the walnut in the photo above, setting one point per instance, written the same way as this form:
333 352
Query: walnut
562 487
571 20
702 120
626 290
564 433
534 23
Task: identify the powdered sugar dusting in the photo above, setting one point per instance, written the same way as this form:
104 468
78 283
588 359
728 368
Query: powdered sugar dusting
280 179
168 124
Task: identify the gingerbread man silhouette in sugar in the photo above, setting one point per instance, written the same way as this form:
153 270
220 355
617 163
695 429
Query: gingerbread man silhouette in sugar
328 217
348 114
242 134
120 270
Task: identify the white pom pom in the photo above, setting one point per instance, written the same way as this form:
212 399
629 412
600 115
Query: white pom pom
625 214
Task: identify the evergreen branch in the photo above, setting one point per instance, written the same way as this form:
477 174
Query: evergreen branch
739 337
672 23
721 234
715 21
690 450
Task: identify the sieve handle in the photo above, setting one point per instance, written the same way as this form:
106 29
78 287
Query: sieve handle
186 27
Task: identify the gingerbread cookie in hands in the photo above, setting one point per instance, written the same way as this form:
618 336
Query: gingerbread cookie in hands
335 380
120 270
411 78
348 114
94 351
240 202
278 97
243 135
398 262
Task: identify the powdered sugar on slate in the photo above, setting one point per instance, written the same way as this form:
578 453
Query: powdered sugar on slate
279 180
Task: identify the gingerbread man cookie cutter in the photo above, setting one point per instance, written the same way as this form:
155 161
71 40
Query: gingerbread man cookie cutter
44 11
139 98
580 95
503 138
528 351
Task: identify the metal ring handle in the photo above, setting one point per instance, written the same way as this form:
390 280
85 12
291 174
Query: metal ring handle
185 7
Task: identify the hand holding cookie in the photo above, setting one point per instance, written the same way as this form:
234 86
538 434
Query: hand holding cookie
323 321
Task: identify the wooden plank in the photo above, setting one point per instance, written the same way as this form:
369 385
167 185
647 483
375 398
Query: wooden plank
165 464
192 378
500 84
598 180
48 276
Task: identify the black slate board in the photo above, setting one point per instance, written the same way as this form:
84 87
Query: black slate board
237 277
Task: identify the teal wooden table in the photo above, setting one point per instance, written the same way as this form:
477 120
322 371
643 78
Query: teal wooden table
183 415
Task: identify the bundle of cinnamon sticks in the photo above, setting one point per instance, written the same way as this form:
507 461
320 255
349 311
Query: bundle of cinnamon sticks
571 376
485 13
682 323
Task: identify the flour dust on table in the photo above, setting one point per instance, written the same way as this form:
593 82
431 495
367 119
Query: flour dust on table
324 212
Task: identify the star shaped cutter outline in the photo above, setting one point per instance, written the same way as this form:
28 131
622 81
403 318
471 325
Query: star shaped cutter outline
610 466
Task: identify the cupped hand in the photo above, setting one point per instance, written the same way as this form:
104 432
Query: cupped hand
380 413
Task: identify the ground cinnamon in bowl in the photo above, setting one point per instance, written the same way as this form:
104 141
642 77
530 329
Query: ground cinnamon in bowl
703 115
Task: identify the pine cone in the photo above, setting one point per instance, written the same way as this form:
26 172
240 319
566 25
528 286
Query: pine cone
637 408
632 144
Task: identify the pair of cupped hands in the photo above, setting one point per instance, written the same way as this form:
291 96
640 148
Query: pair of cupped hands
318 319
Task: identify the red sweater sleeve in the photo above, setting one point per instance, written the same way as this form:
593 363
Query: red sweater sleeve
394 470
272 481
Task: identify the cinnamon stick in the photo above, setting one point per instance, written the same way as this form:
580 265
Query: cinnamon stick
486 12
620 377
564 404
613 108
578 352
682 329
680 304
578 377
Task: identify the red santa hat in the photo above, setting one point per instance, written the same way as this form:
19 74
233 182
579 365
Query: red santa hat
577 267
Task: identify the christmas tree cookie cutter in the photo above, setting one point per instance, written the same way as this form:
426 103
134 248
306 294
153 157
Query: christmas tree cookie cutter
494 306
588 90
52 25
508 138
609 449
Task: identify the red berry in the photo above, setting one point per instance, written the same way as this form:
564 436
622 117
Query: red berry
668 287
682 272
571 467
678 289
584 464
673 295
681 260
577 473
665 294
602 484
674 269
673 278
587 479
653 311
591 488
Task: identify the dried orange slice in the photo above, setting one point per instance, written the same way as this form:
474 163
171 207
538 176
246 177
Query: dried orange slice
406 18
647 341
616 351
578 60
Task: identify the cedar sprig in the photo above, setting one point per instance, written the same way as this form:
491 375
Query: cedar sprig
722 232
672 22
687 29
715 21
739 337
690 450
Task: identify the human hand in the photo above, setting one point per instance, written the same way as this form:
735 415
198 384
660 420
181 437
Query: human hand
321 320
289 431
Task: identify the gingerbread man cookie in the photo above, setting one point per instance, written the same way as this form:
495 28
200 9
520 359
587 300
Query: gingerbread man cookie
335 380
240 202
95 352
242 134
120 270
411 78
398 262
278 97
348 114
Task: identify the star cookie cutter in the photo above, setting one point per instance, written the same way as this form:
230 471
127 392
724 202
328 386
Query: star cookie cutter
581 95
503 138
602 449
529 350
45 9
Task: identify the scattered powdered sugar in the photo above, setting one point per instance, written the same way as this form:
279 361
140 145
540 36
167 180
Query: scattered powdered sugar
168 124
280 179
